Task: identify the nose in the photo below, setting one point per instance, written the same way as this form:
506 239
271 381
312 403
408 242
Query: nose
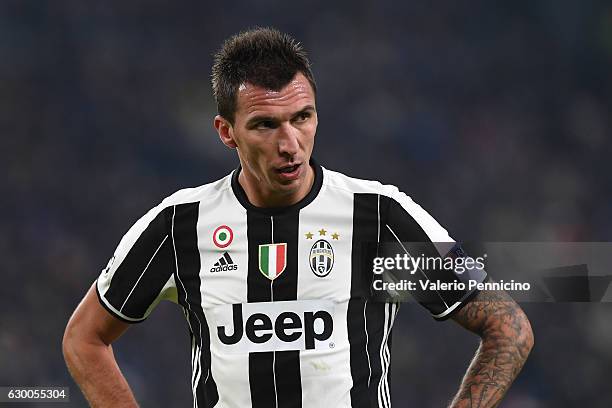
288 140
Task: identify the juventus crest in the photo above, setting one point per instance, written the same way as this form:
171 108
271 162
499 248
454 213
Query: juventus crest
321 258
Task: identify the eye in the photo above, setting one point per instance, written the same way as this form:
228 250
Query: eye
302 116
265 124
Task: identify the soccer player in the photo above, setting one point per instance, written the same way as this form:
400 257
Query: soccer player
267 266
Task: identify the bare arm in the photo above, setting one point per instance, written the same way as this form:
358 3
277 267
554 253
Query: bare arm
89 355
507 339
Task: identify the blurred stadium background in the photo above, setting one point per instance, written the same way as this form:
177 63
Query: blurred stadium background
495 116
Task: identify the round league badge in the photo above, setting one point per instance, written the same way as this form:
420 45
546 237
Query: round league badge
223 236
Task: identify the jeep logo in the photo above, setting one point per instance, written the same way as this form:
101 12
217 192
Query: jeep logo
270 326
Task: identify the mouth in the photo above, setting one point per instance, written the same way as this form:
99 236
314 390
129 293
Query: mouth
288 169
289 172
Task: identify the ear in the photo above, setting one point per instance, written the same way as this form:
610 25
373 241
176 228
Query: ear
225 130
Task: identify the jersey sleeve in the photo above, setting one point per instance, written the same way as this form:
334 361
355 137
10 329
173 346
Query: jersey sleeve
140 273
413 231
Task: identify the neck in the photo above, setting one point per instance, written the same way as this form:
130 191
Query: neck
265 198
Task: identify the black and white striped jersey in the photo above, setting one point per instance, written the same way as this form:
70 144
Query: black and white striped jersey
277 299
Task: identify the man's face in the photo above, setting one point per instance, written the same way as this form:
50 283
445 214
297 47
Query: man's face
274 134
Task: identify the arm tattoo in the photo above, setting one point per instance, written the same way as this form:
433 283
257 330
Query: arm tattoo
506 342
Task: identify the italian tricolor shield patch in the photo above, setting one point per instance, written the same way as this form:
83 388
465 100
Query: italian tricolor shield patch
272 259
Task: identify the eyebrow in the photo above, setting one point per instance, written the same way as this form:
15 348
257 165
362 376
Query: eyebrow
256 119
307 108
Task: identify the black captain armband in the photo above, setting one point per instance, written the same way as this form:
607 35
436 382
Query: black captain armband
416 272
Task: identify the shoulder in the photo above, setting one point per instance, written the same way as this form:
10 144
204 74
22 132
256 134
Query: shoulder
200 193
153 225
392 201
206 192
340 181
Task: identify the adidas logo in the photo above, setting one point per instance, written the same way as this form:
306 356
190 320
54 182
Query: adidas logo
224 263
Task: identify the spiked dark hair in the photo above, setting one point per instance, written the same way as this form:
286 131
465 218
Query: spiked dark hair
262 57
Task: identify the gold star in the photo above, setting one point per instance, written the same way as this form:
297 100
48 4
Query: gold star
322 231
335 235
309 235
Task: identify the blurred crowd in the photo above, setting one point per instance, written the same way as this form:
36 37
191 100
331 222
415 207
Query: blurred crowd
494 116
